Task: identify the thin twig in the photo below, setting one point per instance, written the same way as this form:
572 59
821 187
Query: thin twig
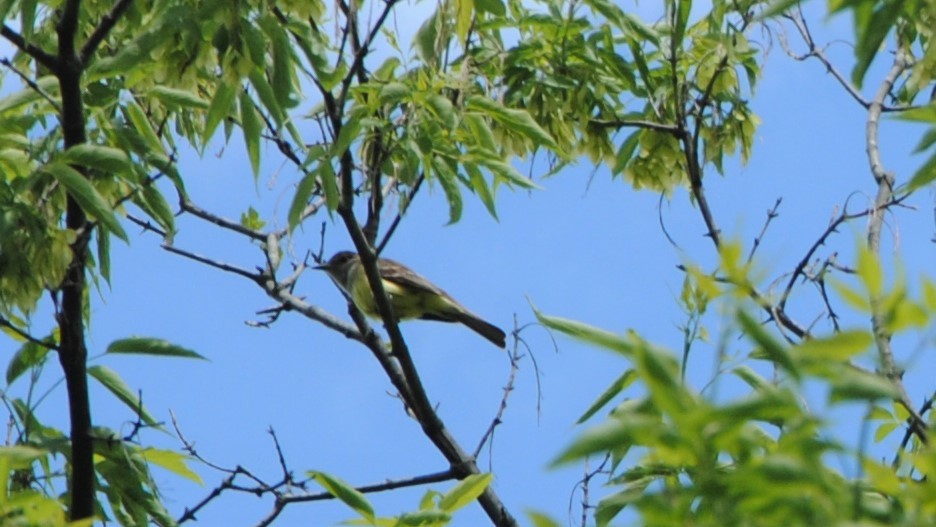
771 214
31 83
25 335
217 264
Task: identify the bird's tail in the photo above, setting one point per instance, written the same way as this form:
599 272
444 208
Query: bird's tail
487 330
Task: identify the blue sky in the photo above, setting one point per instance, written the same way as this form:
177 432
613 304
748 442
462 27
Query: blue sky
584 247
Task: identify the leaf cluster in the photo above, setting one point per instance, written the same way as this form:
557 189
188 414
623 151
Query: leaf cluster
760 457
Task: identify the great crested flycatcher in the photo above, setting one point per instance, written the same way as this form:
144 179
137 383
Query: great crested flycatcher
411 295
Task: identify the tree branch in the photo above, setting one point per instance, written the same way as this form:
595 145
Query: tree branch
105 25
26 336
885 191
37 53
32 84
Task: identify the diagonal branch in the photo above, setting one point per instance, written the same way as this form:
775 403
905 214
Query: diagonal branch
103 28
37 53
26 336
31 83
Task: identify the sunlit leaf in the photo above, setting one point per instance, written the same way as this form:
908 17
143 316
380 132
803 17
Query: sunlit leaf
80 188
114 384
151 346
584 332
853 384
344 492
173 462
465 492
178 98
618 386
251 127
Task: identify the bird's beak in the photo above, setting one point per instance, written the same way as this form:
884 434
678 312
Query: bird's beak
323 267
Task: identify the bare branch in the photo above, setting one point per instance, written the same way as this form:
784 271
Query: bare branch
771 214
37 53
637 123
26 336
399 216
191 208
508 389
255 277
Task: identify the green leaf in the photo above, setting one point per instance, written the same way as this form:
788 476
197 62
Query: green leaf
81 189
839 347
301 199
626 152
494 7
174 97
773 349
776 8
618 386
151 346
142 125
870 272
326 175
173 462
482 133
282 65
158 207
585 333
349 131
28 356
752 378
346 493
481 188
611 435
103 253
394 92
19 457
265 92
465 492
502 170
251 126
881 432
518 121
446 176
856 299
683 7
219 109
442 107
165 165
424 519
425 39
871 32
539 519
48 84
852 384
114 384
924 175
464 11
104 158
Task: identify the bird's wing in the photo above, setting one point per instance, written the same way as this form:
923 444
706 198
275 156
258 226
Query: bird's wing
401 275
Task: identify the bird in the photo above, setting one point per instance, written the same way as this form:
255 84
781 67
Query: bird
411 295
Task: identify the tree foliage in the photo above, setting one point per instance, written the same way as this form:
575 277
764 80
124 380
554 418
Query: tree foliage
100 98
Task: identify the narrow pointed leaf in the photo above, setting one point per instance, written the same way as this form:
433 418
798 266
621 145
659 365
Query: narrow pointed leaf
151 346
465 492
346 493
80 188
114 384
